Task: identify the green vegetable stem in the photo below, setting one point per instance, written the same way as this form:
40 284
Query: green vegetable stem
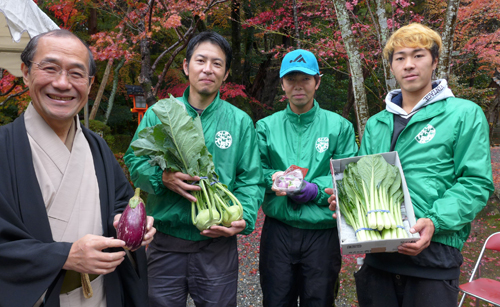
178 145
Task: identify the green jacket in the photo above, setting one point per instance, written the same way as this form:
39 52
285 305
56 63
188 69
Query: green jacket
445 155
230 138
307 140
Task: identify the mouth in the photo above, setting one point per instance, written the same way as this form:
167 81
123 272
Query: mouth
410 77
60 98
299 96
207 81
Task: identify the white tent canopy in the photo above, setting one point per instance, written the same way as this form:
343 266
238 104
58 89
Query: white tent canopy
19 21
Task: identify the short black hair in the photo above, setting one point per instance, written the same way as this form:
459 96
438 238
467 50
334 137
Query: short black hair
29 52
214 38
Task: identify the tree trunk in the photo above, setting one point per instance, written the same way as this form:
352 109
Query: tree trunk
102 86
146 73
447 36
355 65
113 91
265 85
492 113
248 37
390 80
350 101
92 21
236 41
296 23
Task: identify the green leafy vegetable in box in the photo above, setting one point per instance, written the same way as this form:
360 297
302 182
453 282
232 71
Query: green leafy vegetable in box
178 145
370 197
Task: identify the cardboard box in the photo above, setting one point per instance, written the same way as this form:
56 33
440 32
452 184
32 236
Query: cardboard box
347 236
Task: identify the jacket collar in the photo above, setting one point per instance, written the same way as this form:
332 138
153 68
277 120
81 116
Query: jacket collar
304 118
212 107
394 99
429 111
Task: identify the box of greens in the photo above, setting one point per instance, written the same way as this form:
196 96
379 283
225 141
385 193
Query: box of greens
374 209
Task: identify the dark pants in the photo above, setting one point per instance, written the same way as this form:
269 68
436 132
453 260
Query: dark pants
298 263
210 275
376 288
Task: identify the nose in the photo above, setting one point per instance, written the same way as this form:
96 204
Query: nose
207 68
61 80
409 63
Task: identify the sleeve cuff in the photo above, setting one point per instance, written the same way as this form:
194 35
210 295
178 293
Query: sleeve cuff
437 226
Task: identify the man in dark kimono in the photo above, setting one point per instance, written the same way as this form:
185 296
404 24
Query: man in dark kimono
62 192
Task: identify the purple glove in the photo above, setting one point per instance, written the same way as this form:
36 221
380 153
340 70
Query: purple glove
308 193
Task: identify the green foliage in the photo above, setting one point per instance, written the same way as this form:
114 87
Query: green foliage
117 142
481 96
8 114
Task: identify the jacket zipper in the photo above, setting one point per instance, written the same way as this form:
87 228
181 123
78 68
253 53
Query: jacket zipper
300 142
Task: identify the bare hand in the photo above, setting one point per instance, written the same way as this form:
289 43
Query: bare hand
86 255
150 230
426 229
332 201
222 231
278 192
176 182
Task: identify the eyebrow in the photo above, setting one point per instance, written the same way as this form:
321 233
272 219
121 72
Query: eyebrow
56 61
205 57
413 51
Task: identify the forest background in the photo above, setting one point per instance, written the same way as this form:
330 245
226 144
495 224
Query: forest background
143 43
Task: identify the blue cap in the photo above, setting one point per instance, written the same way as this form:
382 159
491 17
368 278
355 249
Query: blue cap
299 60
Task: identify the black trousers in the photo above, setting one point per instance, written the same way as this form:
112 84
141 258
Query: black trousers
376 288
210 275
298 263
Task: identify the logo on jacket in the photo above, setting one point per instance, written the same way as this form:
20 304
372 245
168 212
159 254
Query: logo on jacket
223 139
426 135
322 144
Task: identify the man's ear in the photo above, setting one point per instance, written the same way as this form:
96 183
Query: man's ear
26 72
435 63
317 84
90 84
185 67
227 75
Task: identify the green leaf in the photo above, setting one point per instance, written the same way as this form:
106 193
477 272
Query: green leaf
372 166
396 185
186 145
150 142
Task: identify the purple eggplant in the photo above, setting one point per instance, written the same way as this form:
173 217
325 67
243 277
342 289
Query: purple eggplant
132 224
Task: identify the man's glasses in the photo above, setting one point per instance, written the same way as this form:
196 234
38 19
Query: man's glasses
52 70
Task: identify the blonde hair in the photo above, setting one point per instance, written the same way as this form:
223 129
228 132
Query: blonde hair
414 35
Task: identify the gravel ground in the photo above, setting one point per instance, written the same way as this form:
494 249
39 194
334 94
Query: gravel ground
249 291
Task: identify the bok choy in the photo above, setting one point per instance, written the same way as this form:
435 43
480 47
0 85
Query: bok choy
178 145
370 197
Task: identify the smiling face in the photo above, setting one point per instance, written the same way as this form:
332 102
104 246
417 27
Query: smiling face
300 89
206 71
413 69
54 96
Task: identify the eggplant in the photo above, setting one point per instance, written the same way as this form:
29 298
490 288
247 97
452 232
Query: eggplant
132 224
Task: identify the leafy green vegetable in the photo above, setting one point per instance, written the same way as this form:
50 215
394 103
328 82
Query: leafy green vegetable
178 145
370 197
